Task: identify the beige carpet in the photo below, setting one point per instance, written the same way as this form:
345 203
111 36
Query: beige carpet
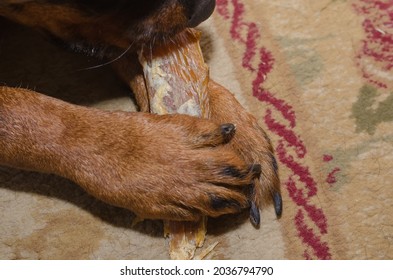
318 75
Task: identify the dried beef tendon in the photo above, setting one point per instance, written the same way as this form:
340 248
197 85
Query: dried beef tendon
176 76
176 79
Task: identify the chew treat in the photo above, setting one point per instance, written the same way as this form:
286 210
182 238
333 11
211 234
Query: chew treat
176 79
184 238
176 76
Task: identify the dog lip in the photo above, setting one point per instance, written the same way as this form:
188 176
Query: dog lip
202 11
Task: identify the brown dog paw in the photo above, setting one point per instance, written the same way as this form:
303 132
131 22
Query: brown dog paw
173 167
253 145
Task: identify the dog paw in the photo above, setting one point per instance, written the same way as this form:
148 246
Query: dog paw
173 167
253 145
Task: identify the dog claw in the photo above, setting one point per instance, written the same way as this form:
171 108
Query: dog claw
256 169
255 215
220 203
277 199
227 131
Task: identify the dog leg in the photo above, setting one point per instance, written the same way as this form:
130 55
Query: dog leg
160 167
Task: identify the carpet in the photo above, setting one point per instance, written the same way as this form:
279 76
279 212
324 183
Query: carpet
318 75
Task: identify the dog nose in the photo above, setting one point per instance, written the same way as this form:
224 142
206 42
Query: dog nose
198 11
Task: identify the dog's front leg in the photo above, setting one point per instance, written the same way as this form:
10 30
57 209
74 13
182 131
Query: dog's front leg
164 167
